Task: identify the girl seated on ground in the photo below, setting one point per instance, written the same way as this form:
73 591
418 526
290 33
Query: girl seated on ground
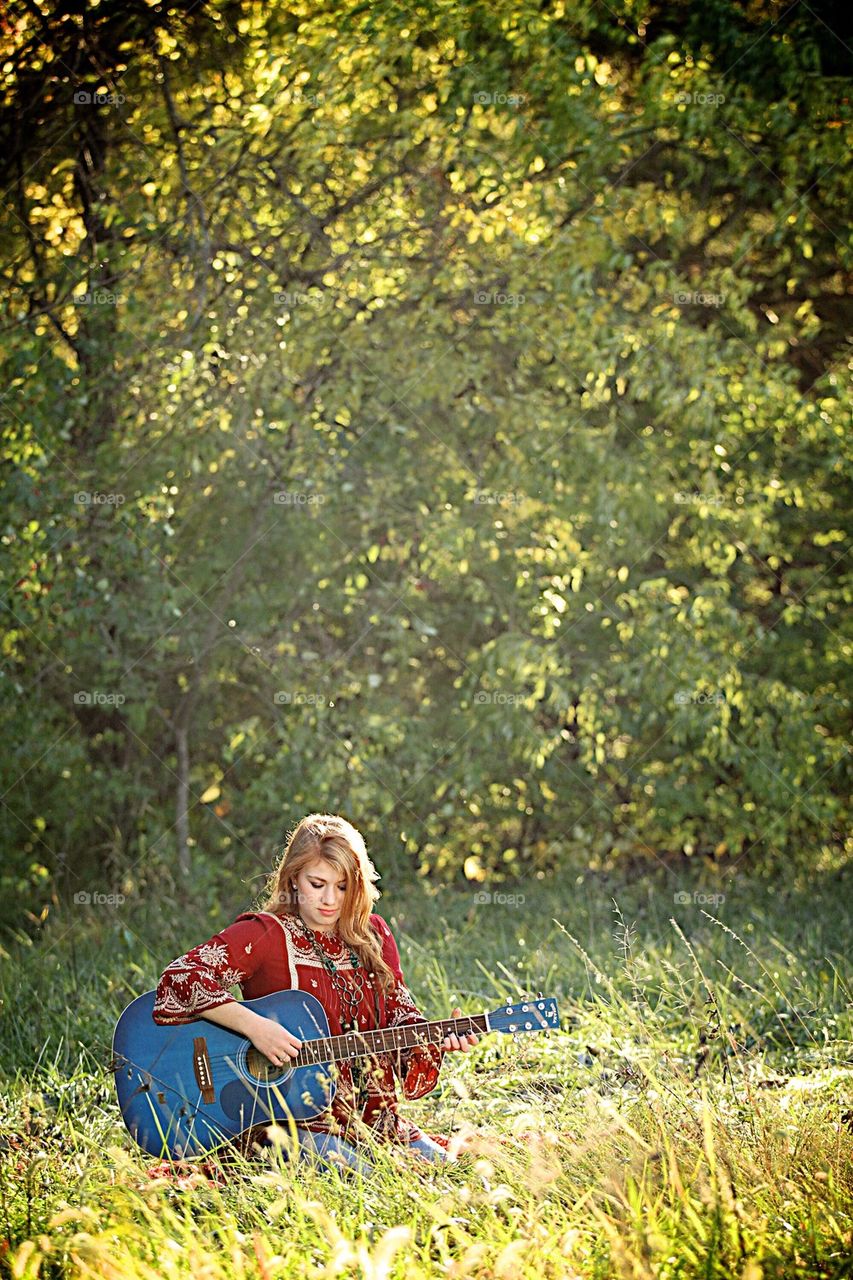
316 932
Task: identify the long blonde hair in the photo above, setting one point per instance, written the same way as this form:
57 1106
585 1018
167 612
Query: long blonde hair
329 836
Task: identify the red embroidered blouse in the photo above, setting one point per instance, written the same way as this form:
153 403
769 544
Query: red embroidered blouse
263 952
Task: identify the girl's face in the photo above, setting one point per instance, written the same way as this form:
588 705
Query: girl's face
320 893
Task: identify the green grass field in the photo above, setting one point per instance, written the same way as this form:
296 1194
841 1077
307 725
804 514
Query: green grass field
693 1117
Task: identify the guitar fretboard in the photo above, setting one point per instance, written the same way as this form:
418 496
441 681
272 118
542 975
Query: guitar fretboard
361 1044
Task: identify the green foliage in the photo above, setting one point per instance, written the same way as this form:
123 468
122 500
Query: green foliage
458 396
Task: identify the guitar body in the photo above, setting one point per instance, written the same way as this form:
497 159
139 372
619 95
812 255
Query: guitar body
184 1090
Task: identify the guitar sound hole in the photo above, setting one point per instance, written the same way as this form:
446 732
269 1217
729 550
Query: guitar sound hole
260 1067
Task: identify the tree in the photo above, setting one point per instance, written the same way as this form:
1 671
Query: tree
457 413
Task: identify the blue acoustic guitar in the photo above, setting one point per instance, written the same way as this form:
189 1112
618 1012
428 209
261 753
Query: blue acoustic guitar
187 1089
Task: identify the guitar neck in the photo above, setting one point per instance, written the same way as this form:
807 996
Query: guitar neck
362 1044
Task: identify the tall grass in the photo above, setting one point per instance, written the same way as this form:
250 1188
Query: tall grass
692 1118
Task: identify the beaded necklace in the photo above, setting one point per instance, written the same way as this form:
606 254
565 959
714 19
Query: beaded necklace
350 995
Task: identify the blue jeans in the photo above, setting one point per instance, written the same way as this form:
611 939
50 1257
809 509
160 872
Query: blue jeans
332 1151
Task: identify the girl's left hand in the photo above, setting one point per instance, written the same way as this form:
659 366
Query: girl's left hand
460 1042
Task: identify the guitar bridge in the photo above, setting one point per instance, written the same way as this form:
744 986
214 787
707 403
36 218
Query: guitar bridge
203 1069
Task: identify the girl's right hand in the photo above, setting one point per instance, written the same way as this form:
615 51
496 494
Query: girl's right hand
274 1042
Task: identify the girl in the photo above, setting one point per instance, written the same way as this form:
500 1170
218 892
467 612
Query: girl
316 931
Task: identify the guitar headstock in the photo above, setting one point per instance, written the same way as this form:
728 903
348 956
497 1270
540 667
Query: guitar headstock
539 1014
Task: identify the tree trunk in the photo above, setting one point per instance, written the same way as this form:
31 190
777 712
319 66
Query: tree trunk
182 820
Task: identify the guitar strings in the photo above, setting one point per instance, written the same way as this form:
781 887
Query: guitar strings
381 1051
363 1053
